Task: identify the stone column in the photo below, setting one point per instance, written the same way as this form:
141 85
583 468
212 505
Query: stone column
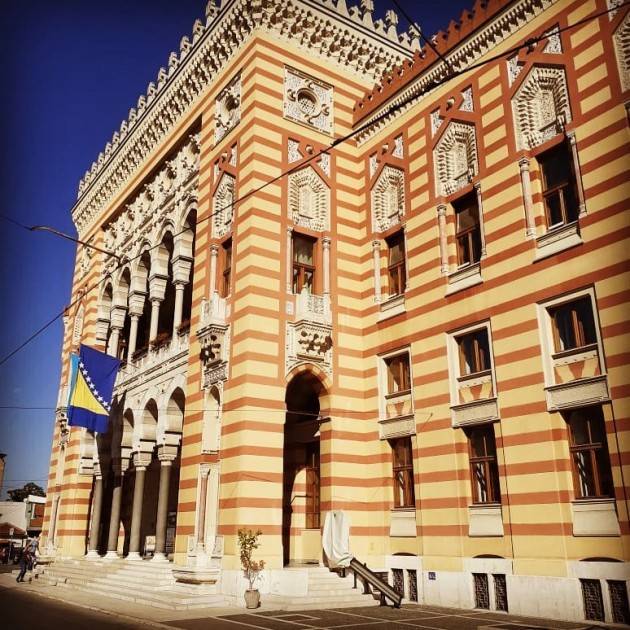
155 315
376 256
289 260
482 231
444 267
214 254
133 336
326 263
166 460
212 508
201 506
141 464
578 174
157 289
96 517
114 521
526 184
114 337
179 305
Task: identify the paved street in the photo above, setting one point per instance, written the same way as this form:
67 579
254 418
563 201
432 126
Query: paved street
35 607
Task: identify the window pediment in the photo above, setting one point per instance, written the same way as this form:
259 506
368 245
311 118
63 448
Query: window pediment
455 158
388 199
222 207
309 200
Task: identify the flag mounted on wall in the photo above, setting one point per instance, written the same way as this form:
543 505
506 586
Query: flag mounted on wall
91 386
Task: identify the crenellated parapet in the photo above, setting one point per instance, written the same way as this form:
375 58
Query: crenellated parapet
347 36
462 43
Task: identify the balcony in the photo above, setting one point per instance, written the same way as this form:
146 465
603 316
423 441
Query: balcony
154 361
214 337
398 417
313 308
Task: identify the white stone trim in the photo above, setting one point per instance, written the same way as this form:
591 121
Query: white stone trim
595 517
308 100
621 40
485 520
388 199
455 158
227 109
309 200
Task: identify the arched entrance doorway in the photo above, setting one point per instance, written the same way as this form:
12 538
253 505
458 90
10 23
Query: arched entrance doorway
301 538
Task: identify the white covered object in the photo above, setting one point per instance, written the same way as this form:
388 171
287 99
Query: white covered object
336 539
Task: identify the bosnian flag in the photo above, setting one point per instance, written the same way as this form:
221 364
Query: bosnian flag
92 378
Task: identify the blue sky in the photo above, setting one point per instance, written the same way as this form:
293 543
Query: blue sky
72 70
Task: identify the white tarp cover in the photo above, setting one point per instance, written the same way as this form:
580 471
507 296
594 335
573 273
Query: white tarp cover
336 539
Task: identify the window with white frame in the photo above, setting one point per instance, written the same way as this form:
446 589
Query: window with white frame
471 372
573 360
395 400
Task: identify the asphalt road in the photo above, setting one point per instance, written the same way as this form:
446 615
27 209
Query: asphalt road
20 610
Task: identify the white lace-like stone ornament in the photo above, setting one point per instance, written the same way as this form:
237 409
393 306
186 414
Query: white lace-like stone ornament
228 109
554 43
398 147
540 107
307 100
467 102
622 49
309 200
388 199
222 207
455 158
294 151
436 121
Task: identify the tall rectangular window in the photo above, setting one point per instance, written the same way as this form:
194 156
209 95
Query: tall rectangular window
592 475
396 269
226 275
619 601
484 470
468 231
312 486
303 263
398 373
559 189
593 601
482 592
402 463
573 324
474 352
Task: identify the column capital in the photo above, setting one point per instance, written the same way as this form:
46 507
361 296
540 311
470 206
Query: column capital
571 136
289 230
477 186
167 452
326 241
214 249
441 210
141 460
523 164
376 244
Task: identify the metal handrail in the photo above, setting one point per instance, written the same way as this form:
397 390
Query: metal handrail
371 579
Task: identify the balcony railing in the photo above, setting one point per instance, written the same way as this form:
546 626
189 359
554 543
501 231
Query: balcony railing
214 310
314 308
151 358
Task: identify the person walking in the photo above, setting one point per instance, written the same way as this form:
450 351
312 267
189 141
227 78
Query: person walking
25 564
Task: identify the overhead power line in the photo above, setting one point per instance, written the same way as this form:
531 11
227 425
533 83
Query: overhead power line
528 43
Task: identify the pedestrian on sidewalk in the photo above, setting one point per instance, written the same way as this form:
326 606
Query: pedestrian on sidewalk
25 564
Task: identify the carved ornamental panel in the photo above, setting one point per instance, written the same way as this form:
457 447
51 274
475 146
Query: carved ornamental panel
309 342
540 107
622 48
227 109
455 158
309 200
388 199
307 100
222 206
215 342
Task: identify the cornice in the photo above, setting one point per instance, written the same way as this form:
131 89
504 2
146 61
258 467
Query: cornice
404 87
327 28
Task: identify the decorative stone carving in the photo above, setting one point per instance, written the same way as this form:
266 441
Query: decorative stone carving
514 69
388 198
163 198
215 343
309 200
77 328
455 158
228 109
370 51
324 163
554 43
293 151
540 106
307 100
398 151
622 49
373 164
309 342
467 100
222 206
613 6
436 121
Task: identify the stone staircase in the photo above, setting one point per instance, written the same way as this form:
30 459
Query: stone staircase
142 582
326 589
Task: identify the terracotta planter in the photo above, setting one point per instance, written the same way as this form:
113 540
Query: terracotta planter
252 598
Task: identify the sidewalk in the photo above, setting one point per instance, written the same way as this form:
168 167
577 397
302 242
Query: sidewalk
269 617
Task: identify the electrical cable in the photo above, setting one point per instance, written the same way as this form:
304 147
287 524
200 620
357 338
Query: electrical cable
528 43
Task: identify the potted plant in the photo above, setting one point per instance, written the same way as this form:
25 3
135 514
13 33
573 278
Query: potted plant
248 541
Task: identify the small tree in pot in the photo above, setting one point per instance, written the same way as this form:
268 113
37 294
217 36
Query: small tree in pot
248 541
